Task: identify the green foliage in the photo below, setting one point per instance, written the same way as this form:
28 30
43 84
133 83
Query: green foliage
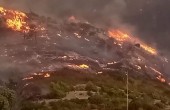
75 104
111 96
89 93
59 89
91 87
144 104
4 104
96 99
160 105
7 98
33 106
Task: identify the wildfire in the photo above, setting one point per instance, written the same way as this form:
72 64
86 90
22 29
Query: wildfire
27 78
149 49
118 35
47 75
14 20
122 37
156 71
83 66
161 79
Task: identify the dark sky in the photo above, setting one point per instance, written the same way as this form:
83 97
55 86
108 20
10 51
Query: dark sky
148 19
151 19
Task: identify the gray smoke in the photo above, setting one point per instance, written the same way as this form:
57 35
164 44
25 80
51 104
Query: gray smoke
147 19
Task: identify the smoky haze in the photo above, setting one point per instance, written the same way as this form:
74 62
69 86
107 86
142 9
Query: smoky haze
147 19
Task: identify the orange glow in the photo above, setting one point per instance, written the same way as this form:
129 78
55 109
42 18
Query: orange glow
72 19
156 71
27 78
122 37
83 66
15 20
118 35
47 75
161 79
149 49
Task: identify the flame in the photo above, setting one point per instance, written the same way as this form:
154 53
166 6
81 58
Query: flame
156 71
122 37
138 67
15 20
161 79
149 49
118 35
27 78
47 75
83 66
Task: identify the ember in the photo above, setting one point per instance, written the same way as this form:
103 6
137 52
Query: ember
27 78
47 75
161 79
156 71
84 66
118 35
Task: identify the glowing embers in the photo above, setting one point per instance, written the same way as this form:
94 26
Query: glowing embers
149 49
156 71
118 35
82 66
14 20
37 75
123 37
159 77
47 75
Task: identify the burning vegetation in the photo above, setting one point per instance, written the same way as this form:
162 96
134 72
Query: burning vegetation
73 47
87 34
123 37
14 20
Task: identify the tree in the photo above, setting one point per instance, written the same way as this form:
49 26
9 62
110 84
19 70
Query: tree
7 98
144 104
96 99
91 87
59 89
4 104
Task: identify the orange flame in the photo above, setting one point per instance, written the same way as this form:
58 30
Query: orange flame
122 37
161 79
47 75
149 49
15 20
118 35
84 66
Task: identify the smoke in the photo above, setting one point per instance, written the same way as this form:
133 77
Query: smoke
107 13
93 10
147 19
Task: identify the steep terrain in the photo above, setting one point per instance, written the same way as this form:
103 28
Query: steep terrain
44 50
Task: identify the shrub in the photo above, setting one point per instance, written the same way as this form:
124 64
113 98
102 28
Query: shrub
91 87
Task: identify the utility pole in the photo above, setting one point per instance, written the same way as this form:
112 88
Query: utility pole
127 87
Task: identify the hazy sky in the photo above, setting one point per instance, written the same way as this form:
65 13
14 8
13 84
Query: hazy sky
148 19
